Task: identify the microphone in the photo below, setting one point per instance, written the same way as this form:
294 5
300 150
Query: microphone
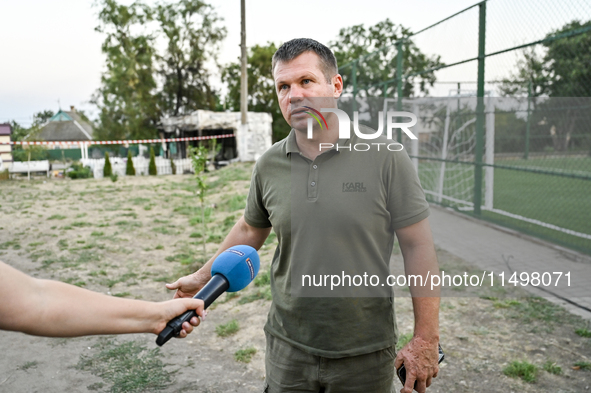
231 271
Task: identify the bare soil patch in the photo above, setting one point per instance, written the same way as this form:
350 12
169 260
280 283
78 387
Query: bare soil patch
130 237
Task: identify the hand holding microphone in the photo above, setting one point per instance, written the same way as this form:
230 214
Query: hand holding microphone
231 271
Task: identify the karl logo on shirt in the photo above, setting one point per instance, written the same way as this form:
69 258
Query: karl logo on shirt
353 187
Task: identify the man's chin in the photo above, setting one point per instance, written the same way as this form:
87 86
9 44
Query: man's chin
300 124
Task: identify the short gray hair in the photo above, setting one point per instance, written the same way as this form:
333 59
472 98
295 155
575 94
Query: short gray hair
293 48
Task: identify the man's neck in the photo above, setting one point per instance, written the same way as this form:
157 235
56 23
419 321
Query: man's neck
310 148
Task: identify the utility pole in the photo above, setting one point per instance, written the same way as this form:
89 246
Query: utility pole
243 74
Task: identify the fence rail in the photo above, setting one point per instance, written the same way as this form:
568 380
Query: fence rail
527 165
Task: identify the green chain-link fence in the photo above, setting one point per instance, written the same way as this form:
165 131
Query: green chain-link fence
501 92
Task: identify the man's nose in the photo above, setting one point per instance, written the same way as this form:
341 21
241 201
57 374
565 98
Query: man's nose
296 93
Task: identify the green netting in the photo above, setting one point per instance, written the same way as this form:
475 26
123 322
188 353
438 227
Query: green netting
524 160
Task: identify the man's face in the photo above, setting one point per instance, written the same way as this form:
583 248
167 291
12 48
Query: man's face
303 78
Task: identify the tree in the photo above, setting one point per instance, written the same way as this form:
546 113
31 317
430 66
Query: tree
560 70
152 170
140 84
107 170
19 133
198 156
261 87
127 99
193 36
375 68
129 170
530 69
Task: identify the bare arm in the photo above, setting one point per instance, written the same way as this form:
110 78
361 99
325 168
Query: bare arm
241 233
55 309
420 355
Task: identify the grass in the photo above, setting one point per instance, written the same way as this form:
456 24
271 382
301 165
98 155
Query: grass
524 370
28 365
57 217
13 243
227 329
260 294
262 279
127 367
80 224
35 244
184 258
403 340
583 365
552 368
122 294
534 309
165 230
62 244
139 201
110 282
583 332
506 303
74 281
129 224
551 199
245 355
233 203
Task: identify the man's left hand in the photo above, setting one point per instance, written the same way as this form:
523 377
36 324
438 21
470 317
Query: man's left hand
420 358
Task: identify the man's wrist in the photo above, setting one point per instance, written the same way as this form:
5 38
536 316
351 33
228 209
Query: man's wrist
430 337
202 277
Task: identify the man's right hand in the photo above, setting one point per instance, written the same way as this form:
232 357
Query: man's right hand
189 285
241 233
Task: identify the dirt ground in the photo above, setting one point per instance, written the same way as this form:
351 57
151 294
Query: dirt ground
127 238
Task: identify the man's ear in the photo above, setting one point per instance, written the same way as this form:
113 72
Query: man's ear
337 82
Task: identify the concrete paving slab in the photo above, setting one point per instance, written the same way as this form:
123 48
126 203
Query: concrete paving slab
496 249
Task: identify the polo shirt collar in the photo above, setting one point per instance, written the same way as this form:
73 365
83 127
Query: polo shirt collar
292 145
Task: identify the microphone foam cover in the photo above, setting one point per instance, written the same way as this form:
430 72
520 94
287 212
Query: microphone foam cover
238 264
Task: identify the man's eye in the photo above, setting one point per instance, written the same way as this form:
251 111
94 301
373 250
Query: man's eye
283 87
306 81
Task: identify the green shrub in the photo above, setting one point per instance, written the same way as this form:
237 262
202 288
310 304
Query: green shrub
4 175
152 167
79 171
130 170
107 170
113 177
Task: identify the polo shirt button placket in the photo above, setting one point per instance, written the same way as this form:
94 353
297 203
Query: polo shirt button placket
313 182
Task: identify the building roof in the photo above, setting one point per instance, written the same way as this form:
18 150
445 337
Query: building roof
5 129
66 126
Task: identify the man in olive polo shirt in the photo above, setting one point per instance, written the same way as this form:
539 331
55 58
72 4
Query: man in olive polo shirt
333 209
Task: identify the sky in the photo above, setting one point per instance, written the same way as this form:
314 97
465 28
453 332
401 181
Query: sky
50 53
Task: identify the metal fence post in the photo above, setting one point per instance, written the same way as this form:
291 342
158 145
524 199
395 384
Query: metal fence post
354 82
399 85
480 111
527 127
